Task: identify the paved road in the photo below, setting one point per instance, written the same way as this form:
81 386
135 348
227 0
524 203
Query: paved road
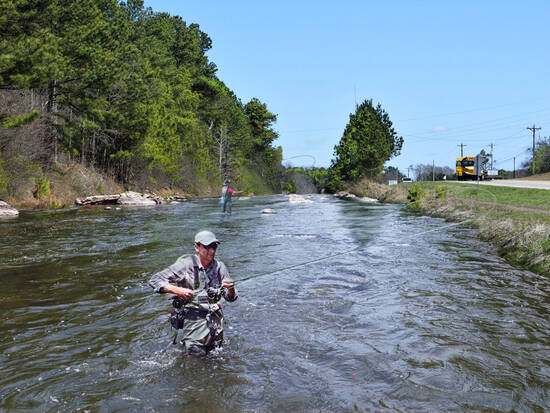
516 183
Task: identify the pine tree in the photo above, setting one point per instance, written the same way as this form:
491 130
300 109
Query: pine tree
368 141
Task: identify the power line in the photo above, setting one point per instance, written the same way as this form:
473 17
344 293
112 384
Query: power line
462 132
512 157
519 134
471 110
534 129
517 117
485 125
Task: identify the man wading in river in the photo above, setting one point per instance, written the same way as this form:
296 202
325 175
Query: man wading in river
198 281
227 193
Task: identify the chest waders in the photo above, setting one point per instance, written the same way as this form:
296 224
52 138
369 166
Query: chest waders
201 317
226 199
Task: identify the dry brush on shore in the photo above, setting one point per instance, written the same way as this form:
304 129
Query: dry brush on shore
395 194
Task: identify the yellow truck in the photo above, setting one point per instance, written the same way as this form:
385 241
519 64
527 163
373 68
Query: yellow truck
466 169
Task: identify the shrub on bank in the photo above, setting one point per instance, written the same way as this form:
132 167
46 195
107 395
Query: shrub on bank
42 187
414 198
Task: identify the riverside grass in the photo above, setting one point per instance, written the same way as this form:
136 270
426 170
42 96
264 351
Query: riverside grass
515 220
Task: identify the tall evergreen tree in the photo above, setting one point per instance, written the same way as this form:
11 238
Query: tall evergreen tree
368 141
261 121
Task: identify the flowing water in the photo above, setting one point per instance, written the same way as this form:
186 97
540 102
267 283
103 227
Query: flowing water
393 312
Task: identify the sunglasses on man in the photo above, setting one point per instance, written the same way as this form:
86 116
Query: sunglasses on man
214 245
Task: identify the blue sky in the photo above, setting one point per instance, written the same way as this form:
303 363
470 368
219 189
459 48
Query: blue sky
471 72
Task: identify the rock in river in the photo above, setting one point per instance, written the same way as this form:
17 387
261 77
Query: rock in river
125 198
137 199
98 200
7 211
345 195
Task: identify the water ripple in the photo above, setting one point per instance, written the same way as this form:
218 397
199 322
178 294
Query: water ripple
408 314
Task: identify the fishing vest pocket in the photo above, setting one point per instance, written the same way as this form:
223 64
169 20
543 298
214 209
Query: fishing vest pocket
177 318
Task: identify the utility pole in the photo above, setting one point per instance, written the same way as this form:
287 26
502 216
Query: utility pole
514 167
433 171
461 149
408 171
533 162
491 155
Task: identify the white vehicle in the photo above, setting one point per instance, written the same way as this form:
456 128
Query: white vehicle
406 179
492 174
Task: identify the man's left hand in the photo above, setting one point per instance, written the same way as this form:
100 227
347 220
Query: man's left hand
229 284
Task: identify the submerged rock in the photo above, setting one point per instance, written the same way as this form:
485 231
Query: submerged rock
298 199
344 195
367 199
268 211
177 198
7 211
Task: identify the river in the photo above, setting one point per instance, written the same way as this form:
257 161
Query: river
392 311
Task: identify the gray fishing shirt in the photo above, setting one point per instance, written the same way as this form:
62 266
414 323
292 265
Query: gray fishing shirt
184 272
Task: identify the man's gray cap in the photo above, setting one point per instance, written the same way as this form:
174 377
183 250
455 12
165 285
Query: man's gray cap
206 238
